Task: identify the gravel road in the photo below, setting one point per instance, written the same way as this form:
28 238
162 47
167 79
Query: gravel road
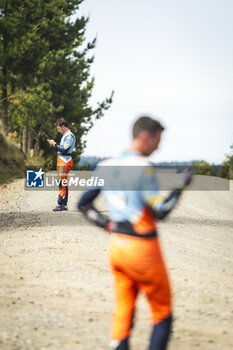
56 288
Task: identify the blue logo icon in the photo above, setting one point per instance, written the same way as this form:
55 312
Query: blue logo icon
35 178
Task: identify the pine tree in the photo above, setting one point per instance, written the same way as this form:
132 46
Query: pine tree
20 49
45 66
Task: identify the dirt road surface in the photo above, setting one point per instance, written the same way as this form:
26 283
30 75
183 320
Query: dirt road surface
56 286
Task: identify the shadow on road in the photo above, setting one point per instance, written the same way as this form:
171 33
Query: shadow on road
40 219
73 218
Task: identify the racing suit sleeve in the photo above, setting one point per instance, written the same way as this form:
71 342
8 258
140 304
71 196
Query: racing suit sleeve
159 205
67 145
90 212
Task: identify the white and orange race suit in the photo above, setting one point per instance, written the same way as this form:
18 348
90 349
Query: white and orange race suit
135 205
64 164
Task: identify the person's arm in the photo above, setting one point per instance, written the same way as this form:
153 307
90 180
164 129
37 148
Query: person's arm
85 205
160 206
67 145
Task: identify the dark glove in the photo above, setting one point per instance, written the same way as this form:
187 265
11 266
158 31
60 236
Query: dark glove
109 227
96 217
185 179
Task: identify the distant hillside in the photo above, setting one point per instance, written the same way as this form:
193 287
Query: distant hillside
92 161
12 161
89 161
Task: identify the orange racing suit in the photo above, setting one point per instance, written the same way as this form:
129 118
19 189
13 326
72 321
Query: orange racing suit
64 164
135 255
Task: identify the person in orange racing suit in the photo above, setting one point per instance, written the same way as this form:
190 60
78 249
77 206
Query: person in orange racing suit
135 255
64 161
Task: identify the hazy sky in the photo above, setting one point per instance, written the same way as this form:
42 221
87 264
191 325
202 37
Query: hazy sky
171 59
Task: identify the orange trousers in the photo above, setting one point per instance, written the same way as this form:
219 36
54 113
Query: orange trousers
63 169
137 265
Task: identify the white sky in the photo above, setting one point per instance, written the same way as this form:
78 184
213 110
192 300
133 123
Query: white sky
171 59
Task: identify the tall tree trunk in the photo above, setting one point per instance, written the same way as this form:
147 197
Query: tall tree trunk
25 138
4 128
29 142
36 149
20 140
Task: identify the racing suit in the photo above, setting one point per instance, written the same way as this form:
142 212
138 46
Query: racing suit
135 255
64 164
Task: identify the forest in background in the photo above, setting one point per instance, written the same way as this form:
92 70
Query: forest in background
198 167
45 75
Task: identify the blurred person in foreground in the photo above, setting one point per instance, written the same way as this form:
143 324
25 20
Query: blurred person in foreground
135 254
64 161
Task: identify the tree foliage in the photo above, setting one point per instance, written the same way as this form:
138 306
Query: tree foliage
45 71
226 170
202 168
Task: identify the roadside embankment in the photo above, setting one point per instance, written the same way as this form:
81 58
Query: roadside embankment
12 161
